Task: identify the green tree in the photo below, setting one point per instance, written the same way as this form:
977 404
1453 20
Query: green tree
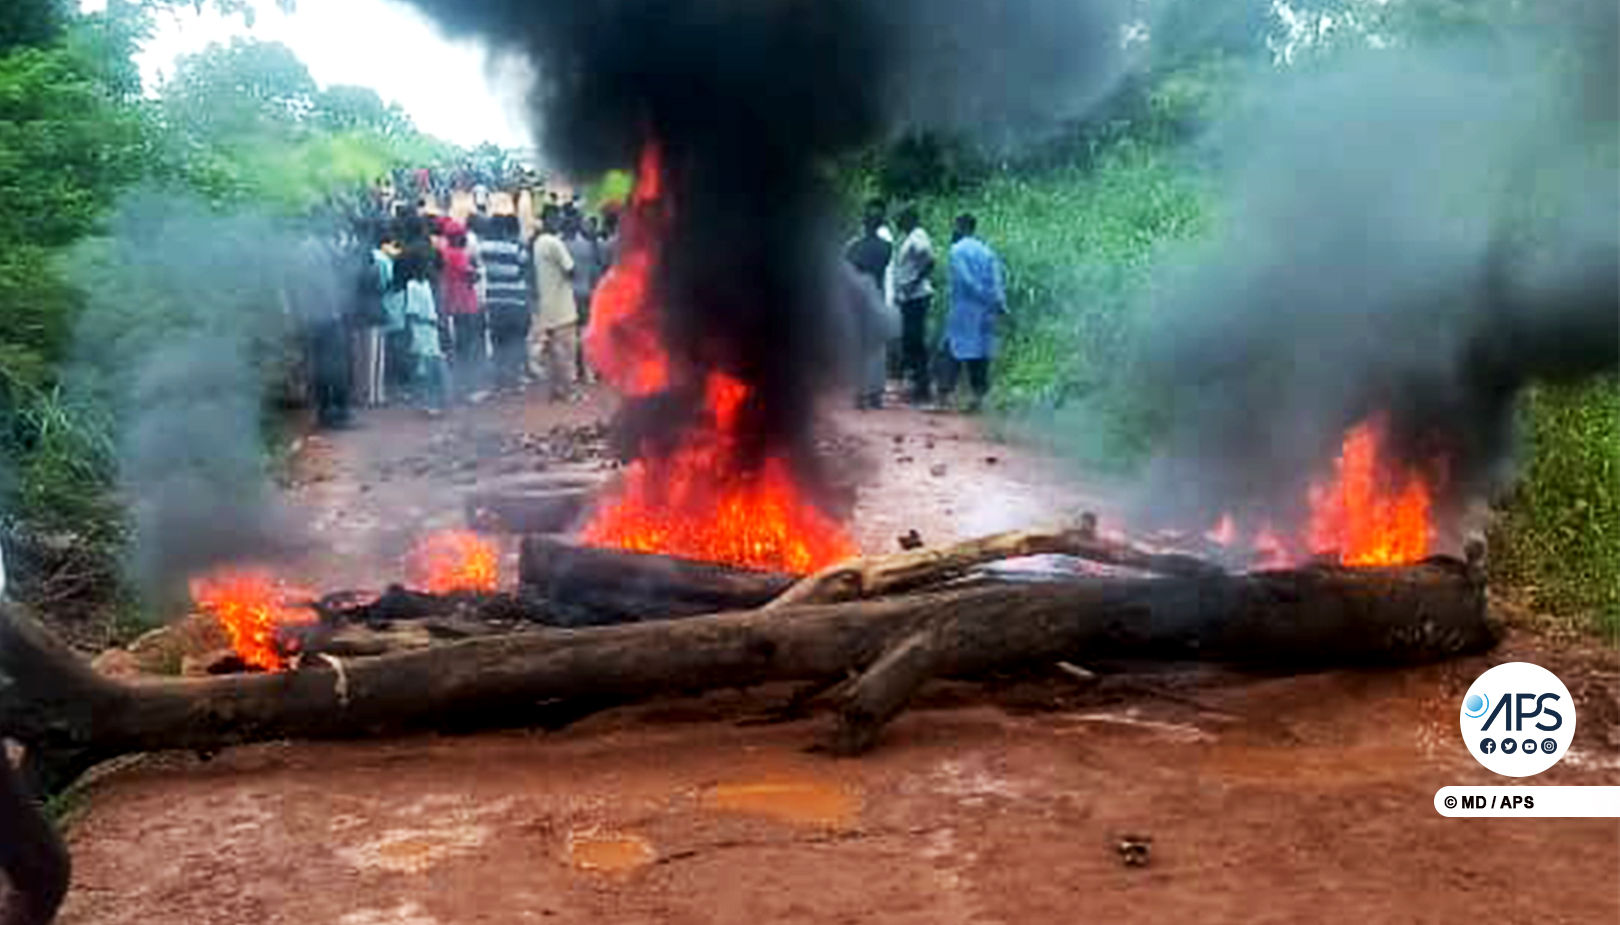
239 90
65 145
31 23
347 108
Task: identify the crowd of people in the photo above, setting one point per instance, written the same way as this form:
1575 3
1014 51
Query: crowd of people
444 310
903 272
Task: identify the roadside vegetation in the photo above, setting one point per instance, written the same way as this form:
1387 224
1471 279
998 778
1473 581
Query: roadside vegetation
237 127
1086 223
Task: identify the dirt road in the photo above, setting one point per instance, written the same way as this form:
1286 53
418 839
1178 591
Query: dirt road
1304 799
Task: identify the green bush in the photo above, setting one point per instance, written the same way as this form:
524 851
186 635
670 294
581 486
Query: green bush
1558 538
1079 244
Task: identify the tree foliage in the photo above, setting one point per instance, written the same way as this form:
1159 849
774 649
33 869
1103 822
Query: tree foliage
65 144
246 121
31 23
244 125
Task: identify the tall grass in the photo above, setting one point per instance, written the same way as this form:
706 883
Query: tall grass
1559 537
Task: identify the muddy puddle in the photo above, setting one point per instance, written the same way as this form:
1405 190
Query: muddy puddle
798 802
609 852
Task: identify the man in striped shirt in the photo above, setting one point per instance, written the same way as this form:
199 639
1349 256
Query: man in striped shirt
506 297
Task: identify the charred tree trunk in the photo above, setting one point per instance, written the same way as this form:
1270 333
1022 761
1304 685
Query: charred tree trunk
1318 616
884 689
586 586
399 603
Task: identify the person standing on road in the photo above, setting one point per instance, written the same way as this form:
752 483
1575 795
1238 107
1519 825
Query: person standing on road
317 295
587 271
459 285
978 300
506 302
869 254
608 241
554 336
375 273
914 294
415 268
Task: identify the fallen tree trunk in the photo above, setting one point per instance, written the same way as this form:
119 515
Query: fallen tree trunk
588 586
884 689
877 576
400 603
1318 616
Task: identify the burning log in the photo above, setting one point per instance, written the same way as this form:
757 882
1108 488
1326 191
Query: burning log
1312 617
593 586
588 586
360 624
402 603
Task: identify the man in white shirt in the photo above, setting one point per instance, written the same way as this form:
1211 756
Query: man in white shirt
554 336
914 293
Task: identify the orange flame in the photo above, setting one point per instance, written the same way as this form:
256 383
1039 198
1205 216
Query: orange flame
1370 513
453 560
1367 513
694 503
252 605
699 500
622 340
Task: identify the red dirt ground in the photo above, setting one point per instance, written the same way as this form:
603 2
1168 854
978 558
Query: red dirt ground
1303 799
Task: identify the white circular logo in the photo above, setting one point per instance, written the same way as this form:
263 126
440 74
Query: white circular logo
1518 719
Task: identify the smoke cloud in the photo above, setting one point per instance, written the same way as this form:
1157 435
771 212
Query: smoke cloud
183 324
747 102
1416 235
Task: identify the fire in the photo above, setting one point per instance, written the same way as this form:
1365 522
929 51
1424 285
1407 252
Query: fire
622 341
253 605
700 500
1370 513
453 560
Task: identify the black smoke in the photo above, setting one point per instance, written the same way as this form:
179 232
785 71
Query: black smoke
749 101
1416 233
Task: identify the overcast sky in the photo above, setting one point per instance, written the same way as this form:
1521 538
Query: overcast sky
446 86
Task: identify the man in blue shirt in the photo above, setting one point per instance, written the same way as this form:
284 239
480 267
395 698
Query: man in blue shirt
978 299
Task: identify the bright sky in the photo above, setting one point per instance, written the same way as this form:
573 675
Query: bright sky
447 87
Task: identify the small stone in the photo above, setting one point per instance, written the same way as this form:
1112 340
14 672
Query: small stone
937 470
1135 850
